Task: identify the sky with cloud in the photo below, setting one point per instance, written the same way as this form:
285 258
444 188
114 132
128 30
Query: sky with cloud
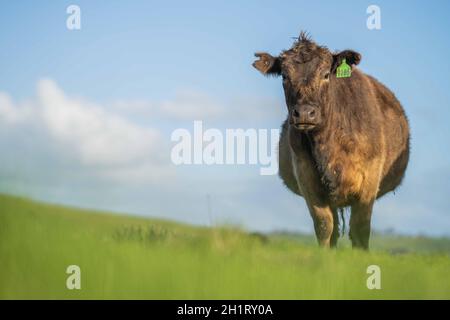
86 116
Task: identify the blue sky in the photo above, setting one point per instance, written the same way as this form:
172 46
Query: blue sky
135 64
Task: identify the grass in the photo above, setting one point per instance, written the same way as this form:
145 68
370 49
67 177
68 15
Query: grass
125 257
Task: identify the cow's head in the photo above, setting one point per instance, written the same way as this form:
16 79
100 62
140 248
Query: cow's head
306 69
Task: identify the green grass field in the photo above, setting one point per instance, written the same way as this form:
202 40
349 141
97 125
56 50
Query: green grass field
125 257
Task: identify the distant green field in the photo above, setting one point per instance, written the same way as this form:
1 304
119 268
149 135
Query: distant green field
125 257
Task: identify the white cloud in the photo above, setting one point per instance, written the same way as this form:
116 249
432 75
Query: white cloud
11 114
92 137
79 137
99 137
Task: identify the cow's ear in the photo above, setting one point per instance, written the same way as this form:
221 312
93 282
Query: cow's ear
351 57
267 64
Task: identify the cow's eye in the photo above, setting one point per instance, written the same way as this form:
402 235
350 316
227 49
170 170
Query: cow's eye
326 76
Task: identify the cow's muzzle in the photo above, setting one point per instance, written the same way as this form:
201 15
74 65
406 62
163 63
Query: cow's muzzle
305 117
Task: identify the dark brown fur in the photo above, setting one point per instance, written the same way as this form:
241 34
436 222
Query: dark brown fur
356 150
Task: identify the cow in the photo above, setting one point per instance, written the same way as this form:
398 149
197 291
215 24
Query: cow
345 142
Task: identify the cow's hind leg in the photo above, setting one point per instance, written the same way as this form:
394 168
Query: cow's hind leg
360 224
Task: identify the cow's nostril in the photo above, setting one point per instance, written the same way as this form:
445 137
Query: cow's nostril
295 113
312 114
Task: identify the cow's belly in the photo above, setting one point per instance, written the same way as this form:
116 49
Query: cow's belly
394 173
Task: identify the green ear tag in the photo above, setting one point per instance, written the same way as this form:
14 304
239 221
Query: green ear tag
344 70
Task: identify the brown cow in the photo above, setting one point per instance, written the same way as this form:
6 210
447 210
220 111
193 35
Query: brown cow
345 142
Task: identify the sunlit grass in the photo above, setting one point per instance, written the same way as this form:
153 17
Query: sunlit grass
125 257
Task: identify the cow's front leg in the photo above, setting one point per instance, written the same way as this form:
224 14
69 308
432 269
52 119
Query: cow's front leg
311 187
360 224
324 226
322 214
